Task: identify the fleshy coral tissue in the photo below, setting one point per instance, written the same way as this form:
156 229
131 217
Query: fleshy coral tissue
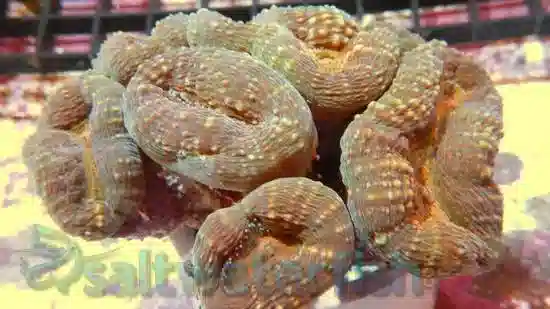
226 126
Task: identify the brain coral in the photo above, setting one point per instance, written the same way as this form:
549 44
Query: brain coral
228 127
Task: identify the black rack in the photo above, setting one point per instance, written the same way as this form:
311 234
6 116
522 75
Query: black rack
50 23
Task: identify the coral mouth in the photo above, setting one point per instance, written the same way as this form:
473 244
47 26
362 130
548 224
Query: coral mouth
326 54
423 142
423 148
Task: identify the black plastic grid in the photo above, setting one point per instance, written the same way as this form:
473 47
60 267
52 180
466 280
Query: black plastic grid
49 23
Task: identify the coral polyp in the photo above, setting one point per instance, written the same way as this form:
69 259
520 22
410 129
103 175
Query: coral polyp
217 125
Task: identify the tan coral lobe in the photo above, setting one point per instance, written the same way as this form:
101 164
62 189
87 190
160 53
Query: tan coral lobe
322 51
212 29
463 165
281 246
318 26
94 180
121 54
90 179
117 156
336 84
407 40
62 166
417 164
172 30
66 108
188 113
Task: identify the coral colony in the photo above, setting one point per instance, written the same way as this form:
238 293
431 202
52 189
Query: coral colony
226 126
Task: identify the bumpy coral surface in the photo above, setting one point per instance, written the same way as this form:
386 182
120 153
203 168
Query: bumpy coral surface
94 179
273 249
235 117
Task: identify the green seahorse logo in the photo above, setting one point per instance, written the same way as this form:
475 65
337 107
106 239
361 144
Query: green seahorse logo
55 249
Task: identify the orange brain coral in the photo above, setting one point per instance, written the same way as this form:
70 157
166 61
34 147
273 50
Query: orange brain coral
226 110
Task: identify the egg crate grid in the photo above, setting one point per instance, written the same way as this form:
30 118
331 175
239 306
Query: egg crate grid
42 56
